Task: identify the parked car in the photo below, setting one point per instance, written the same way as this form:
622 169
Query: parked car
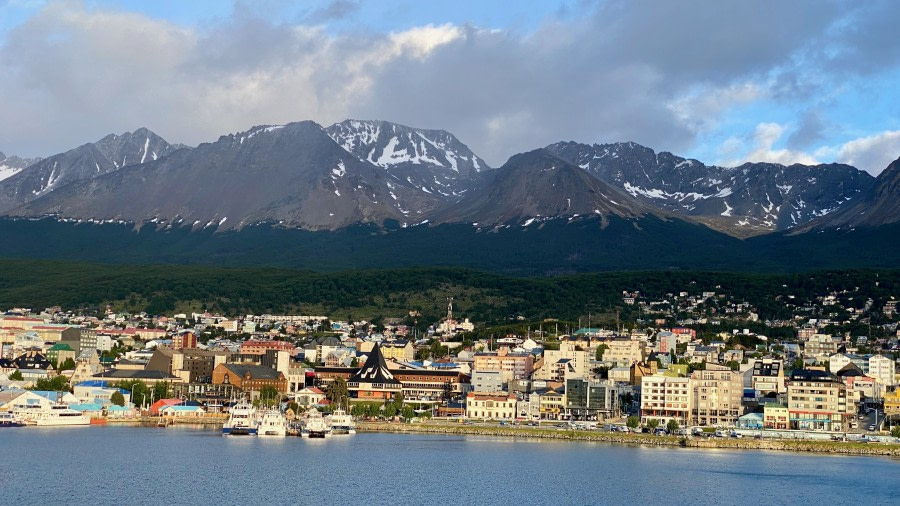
872 427
736 435
660 432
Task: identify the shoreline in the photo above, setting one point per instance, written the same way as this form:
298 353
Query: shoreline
806 446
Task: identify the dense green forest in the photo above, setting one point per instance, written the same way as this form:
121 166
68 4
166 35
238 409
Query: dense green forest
481 296
551 248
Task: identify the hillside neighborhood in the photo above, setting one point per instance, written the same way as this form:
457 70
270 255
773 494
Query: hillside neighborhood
691 362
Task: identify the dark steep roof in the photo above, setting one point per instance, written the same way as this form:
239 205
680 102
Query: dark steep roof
256 371
375 370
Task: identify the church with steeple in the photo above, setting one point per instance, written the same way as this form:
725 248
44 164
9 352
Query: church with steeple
373 381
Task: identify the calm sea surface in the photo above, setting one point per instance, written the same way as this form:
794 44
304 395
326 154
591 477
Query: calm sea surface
124 465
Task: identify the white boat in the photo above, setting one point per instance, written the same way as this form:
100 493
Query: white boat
60 414
315 426
272 423
241 421
9 419
342 423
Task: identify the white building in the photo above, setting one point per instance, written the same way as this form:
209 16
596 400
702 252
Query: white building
883 369
495 407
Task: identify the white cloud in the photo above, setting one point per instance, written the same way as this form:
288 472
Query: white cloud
871 154
764 138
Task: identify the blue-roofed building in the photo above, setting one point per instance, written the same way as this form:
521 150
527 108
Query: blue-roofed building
90 408
750 421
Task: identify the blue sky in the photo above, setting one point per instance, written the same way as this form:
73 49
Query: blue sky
721 81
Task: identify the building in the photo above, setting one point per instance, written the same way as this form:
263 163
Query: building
567 361
817 400
716 396
374 381
513 366
494 407
623 352
551 403
768 376
432 385
59 353
666 398
820 346
487 381
775 416
252 378
184 339
883 369
259 347
591 400
401 350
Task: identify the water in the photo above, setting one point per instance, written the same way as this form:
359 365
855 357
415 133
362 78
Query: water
178 465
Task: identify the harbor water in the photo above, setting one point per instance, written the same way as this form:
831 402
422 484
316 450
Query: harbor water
184 465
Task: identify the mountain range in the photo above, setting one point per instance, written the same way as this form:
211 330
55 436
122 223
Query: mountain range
388 177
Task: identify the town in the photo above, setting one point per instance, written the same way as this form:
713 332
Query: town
692 364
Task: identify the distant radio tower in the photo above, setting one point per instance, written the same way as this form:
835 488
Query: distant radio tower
450 309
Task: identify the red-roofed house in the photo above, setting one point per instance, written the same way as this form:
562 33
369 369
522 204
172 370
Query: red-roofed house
155 407
310 396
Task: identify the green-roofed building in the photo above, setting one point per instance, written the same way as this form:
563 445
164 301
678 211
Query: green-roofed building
59 352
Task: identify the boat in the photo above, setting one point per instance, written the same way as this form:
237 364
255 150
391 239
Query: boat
241 421
342 423
9 419
272 423
315 425
60 414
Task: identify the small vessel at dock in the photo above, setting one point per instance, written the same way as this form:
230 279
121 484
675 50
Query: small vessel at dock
241 421
342 423
272 423
314 426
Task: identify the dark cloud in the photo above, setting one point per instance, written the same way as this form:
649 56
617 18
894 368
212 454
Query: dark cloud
335 10
811 129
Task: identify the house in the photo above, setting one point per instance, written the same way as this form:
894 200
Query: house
181 411
156 406
494 407
775 416
310 396
751 421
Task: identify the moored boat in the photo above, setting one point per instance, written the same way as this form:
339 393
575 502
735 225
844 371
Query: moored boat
9 419
315 426
60 414
241 421
342 423
272 423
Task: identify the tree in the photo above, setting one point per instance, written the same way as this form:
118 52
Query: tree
733 364
672 426
600 351
16 376
161 391
67 365
338 393
653 423
55 384
117 398
896 431
633 422
268 395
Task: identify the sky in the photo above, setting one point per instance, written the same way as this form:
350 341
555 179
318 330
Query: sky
721 81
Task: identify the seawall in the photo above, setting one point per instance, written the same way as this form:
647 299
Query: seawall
836 447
